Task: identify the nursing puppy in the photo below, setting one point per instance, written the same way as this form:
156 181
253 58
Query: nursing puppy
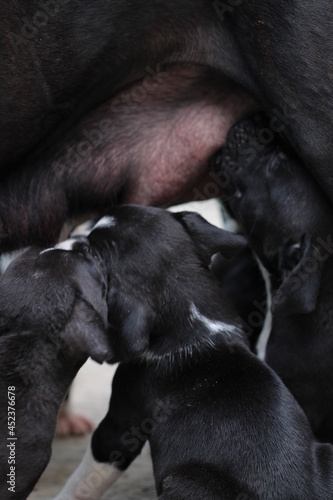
219 421
288 222
53 315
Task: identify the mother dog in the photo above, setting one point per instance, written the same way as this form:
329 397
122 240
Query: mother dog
127 101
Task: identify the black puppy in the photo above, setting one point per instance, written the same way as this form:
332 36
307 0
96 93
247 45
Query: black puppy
68 423
53 315
288 221
219 421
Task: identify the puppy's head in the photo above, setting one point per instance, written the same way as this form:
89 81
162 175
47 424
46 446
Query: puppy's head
158 266
53 315
56 294
280 207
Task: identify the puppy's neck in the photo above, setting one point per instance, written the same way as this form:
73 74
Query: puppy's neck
195 334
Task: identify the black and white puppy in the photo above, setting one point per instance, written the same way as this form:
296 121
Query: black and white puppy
220 423
53 315
287 218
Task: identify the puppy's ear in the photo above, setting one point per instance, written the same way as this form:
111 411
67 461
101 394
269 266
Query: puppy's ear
301 268
86 334
131 320
210 239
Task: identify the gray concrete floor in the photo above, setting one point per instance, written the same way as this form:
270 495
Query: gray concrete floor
90 397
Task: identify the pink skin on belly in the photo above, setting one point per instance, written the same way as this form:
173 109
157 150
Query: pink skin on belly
161 140
150 144
175 157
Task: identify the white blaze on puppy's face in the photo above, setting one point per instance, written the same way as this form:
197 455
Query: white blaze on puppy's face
64 245
82 230
107 221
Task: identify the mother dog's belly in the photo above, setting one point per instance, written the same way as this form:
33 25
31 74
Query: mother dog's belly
149 144
153 140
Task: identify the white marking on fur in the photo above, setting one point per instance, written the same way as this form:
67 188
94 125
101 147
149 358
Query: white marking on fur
265 333
64 245
90 480
106 221
182 353
212 325
186 351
